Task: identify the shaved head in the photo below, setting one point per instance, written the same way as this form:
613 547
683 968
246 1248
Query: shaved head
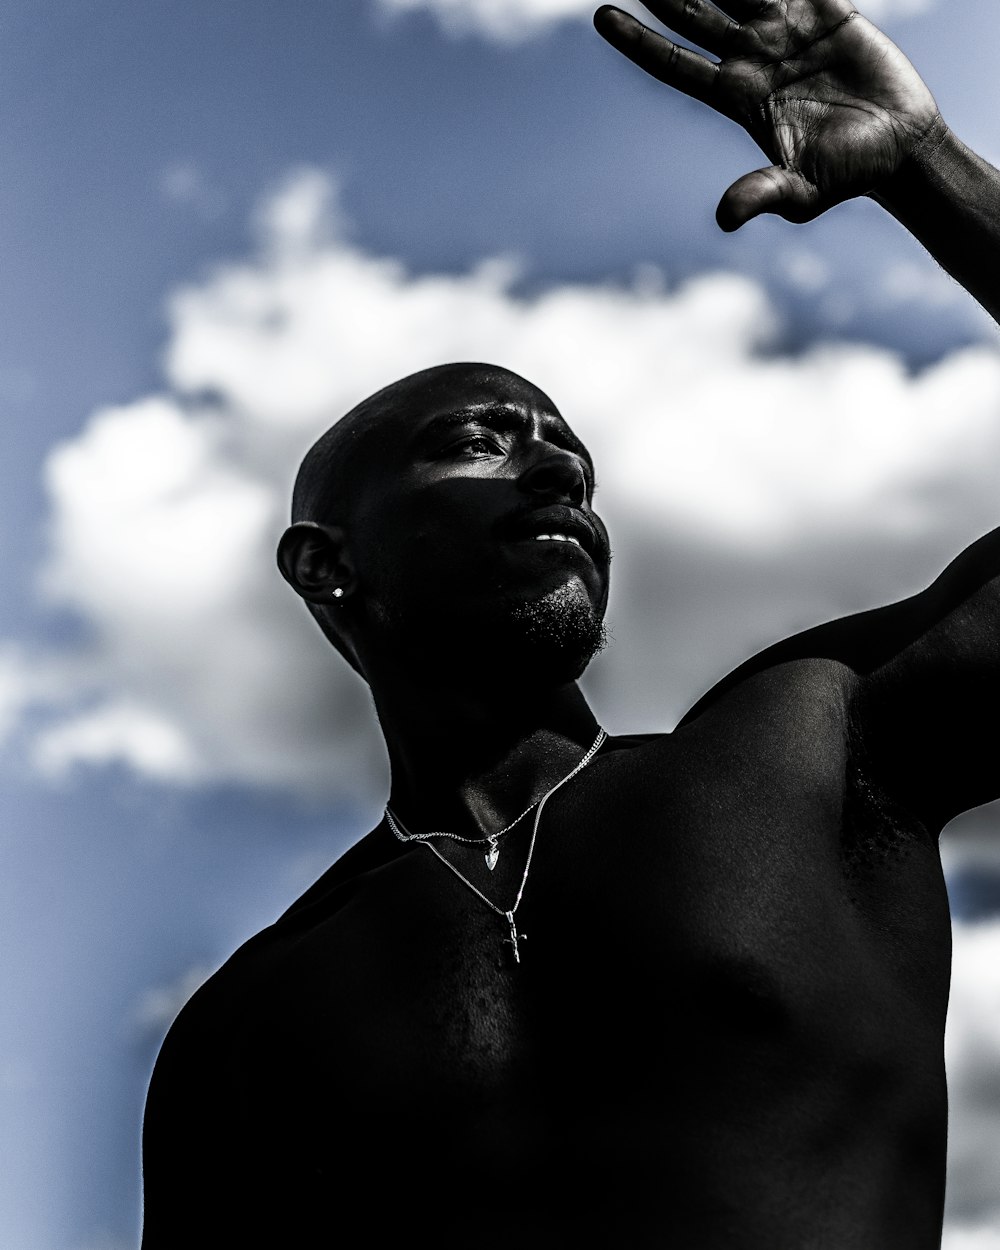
332 471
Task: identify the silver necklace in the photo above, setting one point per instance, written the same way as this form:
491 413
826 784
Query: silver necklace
508 915
492 855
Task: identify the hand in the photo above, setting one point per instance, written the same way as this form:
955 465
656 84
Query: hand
831 101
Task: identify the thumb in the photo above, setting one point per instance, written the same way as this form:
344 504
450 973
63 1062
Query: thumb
774 190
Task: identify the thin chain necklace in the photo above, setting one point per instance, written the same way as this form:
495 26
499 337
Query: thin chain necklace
492 855
509 914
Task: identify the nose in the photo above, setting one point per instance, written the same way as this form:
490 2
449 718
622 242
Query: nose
555 474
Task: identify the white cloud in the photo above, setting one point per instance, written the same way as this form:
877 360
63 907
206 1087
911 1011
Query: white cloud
975 1236
512 21
185 521
17 689
26 680
118 732
506 20
973 1057
796 487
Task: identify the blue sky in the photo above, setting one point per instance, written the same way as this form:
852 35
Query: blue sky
223 221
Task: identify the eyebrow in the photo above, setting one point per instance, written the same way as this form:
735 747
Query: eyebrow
508 420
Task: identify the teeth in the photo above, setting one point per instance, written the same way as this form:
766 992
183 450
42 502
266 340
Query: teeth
565 538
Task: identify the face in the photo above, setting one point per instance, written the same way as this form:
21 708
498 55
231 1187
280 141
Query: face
473 534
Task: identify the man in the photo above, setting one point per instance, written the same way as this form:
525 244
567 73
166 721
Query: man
677 990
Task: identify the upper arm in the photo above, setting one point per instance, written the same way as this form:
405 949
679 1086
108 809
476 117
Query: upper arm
925 683
929 692
194 1170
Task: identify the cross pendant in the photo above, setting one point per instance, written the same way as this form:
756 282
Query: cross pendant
514 935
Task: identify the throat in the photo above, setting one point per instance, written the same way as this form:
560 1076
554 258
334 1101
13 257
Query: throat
436 840
480 771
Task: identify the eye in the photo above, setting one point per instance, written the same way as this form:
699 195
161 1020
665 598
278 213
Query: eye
476 445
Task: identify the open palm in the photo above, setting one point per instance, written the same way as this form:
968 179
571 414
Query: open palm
832 102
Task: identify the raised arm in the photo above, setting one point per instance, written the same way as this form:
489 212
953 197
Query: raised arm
839 112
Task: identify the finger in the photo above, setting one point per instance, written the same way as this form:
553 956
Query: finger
698 21
687 71
774 190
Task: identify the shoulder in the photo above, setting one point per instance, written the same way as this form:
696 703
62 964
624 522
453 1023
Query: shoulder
243 984
198 1133
237 999
204 1128
816 669
202 1044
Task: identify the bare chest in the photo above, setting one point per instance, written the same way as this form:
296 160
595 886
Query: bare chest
733 951
745 892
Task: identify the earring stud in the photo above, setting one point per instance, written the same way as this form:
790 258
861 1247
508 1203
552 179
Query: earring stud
337 592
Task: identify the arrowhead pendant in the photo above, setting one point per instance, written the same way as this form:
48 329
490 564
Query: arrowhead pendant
492 855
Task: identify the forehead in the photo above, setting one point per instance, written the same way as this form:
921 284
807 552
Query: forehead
495 399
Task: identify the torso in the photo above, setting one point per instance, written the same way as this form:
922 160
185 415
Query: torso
726 1030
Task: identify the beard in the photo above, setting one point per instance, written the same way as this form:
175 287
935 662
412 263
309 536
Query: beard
558 634
548 641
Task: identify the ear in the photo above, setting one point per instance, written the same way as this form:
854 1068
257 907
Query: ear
314 560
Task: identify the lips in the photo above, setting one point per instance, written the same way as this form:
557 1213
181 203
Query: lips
555 524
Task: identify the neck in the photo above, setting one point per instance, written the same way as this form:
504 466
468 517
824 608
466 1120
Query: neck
472 761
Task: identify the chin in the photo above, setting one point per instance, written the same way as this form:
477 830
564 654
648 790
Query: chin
559 633
547 639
